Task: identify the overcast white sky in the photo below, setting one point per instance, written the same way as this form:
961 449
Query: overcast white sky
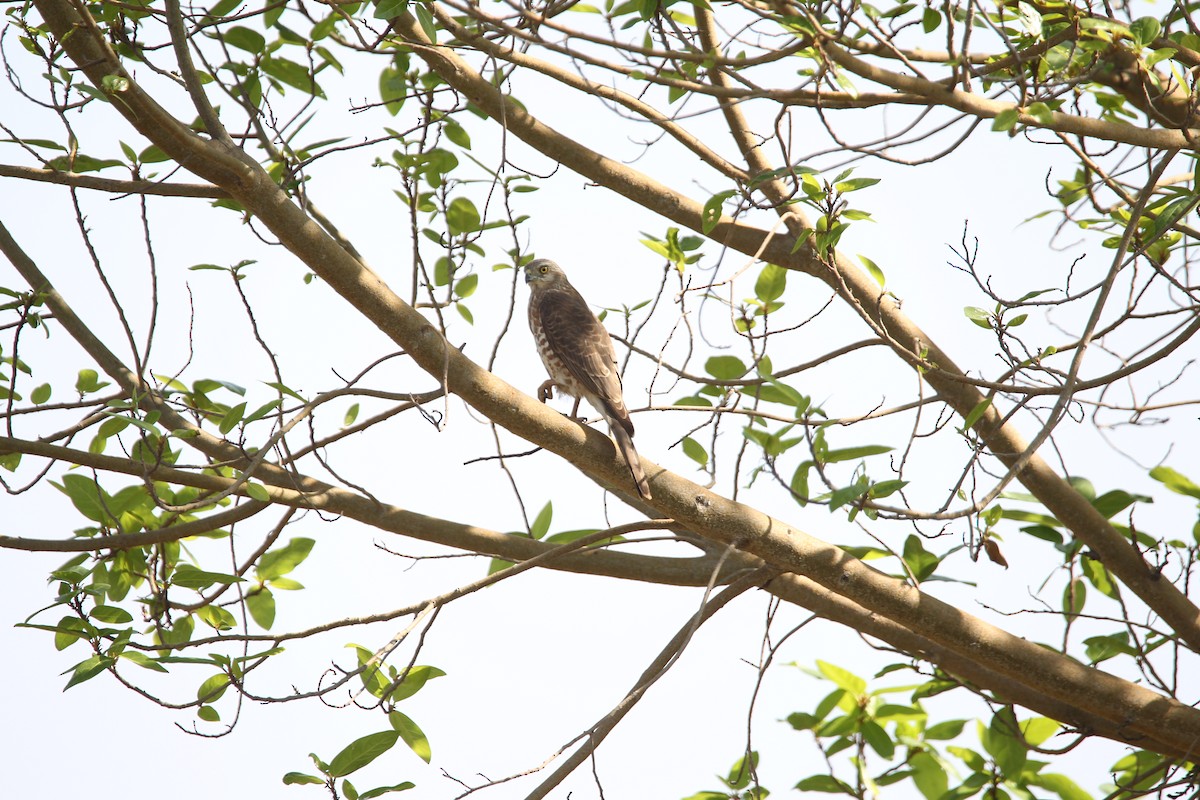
534 661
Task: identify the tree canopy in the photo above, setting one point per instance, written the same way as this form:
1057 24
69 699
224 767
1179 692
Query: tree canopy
264 294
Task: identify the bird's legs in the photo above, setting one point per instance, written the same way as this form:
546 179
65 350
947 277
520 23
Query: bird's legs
546 392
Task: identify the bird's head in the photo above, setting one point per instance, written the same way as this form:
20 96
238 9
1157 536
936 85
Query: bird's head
544 272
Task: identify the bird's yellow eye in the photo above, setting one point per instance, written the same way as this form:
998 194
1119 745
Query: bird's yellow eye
543 269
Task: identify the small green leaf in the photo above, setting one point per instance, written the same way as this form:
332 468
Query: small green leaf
291 74
211 690
457 134
351 415
412 735
462 217
695 451
282 560
874 270
299 778
191 577
976 413
399 787
210 714
1175 481
1145 30
111 614
261 605
466 287
413 682
771 283
541 525
979 316
143 660
244 38
713 209
361 752
87 669
725 368
930 20
1006 120
40 395
842 678
256 491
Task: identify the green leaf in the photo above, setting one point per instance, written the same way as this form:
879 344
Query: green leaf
842 678
713 210
771 283
457 134
299 778
244 38
393 86
191 577
87 669
695 451
111 614
413 682
1041 112
950 729
725 368
854 184
1175 481
878 738
412 735
1074 597
462 217
928 775
920 561
232 418
209 714
1037 730
216 618
1145 30
976 413
361 752
291 74
261 605
824 783
979 316
256 491
1000 741
351 415
143 660
853 453
1006 120
427 23
211 690
930 20
466 287
40 395
87 497
89 381
282 560
399 787
541 524
874 270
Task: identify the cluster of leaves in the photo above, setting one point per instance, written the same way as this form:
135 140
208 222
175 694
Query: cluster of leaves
890 741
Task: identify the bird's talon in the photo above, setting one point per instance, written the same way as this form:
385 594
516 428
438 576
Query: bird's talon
546 391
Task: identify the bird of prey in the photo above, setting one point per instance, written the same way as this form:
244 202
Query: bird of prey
578 354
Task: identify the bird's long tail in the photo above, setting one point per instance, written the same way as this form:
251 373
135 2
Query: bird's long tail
629 453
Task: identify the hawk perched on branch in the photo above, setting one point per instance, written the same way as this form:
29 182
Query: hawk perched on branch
578 354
